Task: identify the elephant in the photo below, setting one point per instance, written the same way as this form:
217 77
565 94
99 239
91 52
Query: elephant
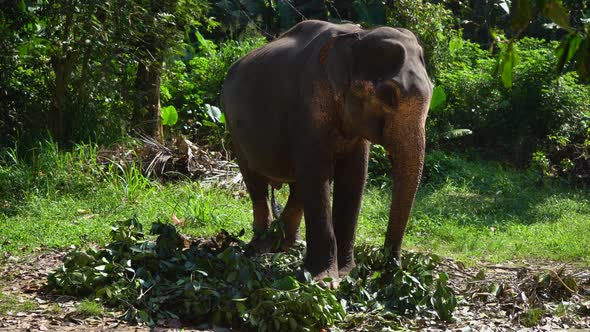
304 109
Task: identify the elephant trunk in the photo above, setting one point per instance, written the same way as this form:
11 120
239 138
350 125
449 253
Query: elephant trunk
407 155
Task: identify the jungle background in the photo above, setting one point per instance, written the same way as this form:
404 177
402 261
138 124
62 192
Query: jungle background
109 110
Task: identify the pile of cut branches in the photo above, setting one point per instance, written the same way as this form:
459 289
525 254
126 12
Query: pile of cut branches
222 282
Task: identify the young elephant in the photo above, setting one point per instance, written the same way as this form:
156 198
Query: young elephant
303 109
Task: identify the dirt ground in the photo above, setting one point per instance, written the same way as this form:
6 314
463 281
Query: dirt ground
491 298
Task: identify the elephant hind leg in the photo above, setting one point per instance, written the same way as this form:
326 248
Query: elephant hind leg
257 186
291 217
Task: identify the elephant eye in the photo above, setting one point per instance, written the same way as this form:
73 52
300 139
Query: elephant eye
387 93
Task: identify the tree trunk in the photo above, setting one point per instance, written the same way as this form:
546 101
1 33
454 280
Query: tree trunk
62 63
146 115
56 120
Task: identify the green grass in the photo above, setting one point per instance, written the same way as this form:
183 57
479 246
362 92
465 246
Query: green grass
78 219
14 304
477 209
90 308
532 317
54 310
467 209
464 223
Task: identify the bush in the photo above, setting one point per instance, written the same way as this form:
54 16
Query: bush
541 111
473 94
566 149
432 24
191 85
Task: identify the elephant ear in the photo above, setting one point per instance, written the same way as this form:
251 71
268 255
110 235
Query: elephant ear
337 59
376 59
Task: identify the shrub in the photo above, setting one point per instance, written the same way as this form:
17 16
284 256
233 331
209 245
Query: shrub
540 112
566 149
432 24
191 85
473 94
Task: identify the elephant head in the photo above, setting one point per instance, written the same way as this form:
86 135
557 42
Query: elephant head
379 77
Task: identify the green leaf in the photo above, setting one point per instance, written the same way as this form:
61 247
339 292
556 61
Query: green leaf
567 49
169 115
287 283
508 60
556 12
504 5
214 113
22 6
522 12
439 97
574 46
456 133
202 41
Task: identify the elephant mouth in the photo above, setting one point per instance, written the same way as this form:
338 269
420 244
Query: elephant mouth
378 127
362 88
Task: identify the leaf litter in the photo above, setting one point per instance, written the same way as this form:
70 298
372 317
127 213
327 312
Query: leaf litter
169 280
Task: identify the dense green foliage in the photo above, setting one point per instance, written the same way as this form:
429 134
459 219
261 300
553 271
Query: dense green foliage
193 87
73 68
93 78
220 282
541 112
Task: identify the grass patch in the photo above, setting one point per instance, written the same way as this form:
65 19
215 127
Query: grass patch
532 317
14 304
54 310
467 209
89 308
79 219
480 210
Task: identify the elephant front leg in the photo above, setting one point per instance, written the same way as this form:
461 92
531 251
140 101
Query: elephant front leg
350 174
320 258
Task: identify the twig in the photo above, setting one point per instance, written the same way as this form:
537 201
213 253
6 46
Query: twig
463 272
561 281
509 268
295 9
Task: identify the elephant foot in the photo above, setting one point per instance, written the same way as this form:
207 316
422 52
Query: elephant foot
328 279
345 260
289 242
264 243
343 271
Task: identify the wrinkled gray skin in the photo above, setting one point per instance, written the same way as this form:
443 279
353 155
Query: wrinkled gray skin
303 110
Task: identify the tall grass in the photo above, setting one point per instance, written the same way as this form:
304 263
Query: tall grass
46 170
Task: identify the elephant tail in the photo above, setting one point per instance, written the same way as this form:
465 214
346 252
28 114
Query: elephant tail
277 208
